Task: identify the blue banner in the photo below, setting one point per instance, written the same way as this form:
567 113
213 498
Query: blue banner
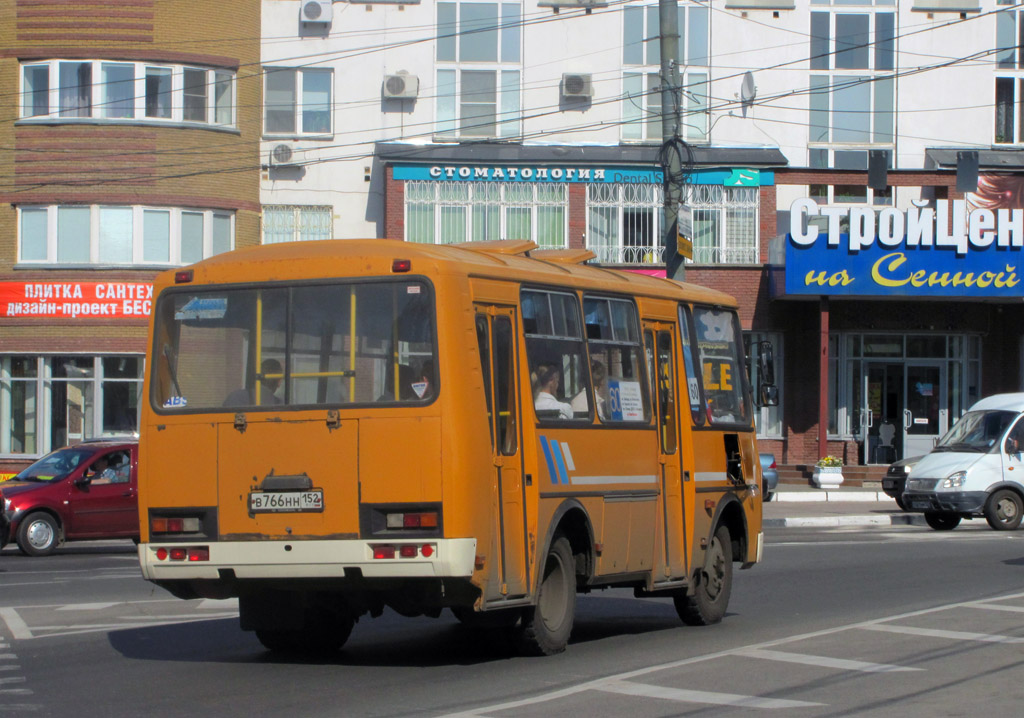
904 270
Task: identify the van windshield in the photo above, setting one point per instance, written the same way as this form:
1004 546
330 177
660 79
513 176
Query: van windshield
977 431
268 347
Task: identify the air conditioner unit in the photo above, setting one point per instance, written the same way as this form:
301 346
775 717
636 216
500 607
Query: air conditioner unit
574 85
283 155
316 10
401 86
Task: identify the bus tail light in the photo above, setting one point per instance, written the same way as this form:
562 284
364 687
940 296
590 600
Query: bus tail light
401 265
412 520
405 550
183 553
183 276
383 551
174 525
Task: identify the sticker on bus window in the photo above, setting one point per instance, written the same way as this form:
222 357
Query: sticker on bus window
627 400
420 388
203 308
176 402
412 289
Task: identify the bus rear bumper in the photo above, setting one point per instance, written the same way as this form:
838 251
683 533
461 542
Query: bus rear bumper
434 558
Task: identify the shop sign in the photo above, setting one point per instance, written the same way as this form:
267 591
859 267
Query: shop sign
730 177
952 249
76 300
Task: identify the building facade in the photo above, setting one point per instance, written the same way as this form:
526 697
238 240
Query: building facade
830 152
131 145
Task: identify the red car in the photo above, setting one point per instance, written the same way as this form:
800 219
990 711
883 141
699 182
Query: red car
85 491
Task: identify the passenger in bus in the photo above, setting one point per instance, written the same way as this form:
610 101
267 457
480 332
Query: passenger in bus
599 375
545 393
270 379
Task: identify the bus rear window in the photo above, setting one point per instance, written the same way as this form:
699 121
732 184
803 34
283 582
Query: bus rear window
329 344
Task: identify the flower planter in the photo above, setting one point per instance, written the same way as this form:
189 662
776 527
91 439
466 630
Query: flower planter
827 477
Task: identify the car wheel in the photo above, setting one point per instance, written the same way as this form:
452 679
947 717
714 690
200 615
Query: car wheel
713 587
38 534
901 503
941 521
1003 510
546 626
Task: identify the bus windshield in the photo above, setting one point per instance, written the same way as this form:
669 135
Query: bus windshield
309 345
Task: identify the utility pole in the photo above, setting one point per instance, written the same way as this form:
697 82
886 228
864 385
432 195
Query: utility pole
671 159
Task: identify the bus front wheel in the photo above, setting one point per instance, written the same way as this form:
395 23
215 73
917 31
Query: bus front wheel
710 597
546 626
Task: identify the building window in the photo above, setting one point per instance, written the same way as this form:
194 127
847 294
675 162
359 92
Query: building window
50 401
298 101
295 223
852 85
767 419
132 235
479 67
641 108
447 212
126 92
821 158
725 223
624 223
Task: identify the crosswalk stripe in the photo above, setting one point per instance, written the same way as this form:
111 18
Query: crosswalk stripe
842 663
647 690
940 633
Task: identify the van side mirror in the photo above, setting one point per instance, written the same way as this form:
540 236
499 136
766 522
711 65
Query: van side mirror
769 395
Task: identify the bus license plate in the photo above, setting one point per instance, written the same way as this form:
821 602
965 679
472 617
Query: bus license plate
261 502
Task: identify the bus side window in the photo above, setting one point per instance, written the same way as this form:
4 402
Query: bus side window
555 353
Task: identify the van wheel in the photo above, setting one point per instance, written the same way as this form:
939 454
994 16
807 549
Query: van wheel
546 626
710 597
38 534
901 503
941 521
1003 510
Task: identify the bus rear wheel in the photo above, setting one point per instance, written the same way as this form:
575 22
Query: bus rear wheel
546 627
710 597
323 632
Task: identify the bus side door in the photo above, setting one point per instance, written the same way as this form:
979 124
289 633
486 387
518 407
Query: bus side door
496 338
661 350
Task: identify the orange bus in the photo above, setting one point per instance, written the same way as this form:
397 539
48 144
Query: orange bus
336 427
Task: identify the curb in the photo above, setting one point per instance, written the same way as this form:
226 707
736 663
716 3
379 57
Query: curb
834 521
826 495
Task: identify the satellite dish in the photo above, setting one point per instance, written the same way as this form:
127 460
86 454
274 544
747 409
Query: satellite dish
748 91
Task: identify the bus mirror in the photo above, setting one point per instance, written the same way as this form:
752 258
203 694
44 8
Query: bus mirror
766 362
769 395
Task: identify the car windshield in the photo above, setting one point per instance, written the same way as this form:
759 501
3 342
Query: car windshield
55 466
976 431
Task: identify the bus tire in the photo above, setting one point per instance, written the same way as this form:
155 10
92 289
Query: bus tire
546 626
38 534
1003 510
941 521
323 633
713 584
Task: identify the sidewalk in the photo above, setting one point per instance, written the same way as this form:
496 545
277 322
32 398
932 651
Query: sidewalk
795 505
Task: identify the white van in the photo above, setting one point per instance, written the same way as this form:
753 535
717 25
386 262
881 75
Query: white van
976 469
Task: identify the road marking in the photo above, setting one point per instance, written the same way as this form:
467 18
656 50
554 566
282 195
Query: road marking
18 628
940 633
13 679
809 660
10 668
87 606
997 607
647 690
221 604
646 670
19 707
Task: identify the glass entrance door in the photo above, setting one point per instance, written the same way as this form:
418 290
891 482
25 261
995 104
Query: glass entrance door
883 395
924 417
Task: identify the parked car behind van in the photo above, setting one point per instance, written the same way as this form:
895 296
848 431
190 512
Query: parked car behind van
895 480
769 475
976 469
85 491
